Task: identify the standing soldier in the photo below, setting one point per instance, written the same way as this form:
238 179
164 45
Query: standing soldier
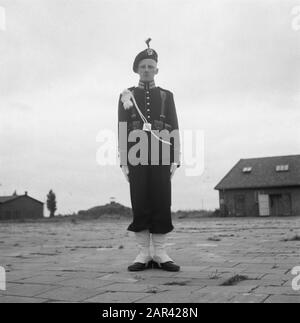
151 111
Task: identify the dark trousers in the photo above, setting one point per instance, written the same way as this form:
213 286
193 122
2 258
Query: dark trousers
150 193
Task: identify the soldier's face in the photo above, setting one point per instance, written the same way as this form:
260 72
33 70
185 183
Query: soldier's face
147 69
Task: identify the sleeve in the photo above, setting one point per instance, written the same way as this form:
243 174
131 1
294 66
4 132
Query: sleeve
122 142
173 120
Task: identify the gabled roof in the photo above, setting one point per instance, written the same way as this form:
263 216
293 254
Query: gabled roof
263 173
6 199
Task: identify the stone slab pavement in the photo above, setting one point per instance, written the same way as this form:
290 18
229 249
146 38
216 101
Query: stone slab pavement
86 261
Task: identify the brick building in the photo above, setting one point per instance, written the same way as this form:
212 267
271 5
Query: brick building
268 186
20 207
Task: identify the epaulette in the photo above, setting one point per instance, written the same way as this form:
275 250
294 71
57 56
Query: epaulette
169 92
129 88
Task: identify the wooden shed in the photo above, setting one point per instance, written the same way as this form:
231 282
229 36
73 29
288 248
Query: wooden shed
20 207
268 186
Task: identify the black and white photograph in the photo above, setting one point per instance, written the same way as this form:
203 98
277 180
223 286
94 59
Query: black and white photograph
149 154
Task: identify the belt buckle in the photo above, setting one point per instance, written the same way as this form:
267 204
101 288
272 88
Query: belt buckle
147 126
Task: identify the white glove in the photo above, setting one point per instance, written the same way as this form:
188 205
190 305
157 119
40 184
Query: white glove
173 169
125 170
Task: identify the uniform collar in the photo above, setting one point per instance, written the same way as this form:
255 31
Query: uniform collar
146 85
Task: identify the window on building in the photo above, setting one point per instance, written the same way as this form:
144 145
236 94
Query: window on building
282 168
247 169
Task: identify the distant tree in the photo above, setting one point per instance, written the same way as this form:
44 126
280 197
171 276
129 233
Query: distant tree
51 203
15 193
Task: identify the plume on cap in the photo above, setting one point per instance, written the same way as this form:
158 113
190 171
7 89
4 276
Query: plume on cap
148 41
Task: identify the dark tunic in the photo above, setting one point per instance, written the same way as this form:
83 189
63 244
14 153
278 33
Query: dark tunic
150 185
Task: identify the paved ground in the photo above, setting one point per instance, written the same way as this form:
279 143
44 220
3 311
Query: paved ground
87 262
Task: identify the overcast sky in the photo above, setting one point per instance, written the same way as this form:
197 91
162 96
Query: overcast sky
233 67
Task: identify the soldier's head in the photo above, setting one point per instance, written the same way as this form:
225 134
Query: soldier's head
147 69
145 63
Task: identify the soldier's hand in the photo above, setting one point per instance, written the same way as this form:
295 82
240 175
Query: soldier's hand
173 169
125 171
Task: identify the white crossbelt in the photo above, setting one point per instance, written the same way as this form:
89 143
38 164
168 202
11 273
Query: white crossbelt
146 122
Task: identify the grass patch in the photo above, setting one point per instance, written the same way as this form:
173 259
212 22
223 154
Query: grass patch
214 239
152 290
294 238
20 256
44 254
215 275
234 280
182 283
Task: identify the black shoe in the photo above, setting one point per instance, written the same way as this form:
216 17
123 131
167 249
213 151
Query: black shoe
139 266
168 266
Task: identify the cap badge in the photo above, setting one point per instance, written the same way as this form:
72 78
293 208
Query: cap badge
149 51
